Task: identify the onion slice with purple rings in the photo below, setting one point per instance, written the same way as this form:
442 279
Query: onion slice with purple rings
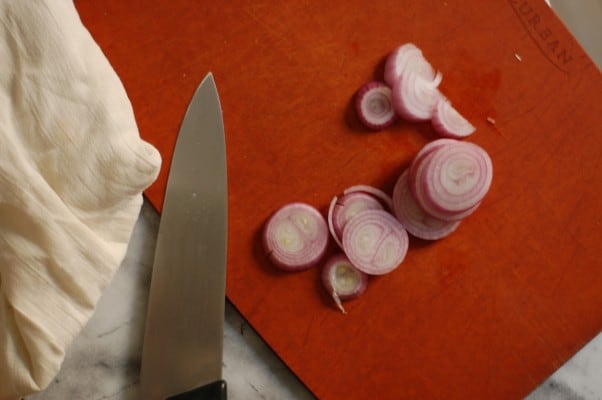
371 190
374 107
458 177
412 216
342 280
448 122
375 242
422 153
348 206
407 57
417 184
414 98
295 237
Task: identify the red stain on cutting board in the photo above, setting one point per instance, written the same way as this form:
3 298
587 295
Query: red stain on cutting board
488 312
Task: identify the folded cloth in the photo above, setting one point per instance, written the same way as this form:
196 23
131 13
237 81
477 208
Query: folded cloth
72 171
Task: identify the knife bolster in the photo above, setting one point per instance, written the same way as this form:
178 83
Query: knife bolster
213 391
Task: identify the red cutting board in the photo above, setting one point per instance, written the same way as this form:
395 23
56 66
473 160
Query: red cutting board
488 312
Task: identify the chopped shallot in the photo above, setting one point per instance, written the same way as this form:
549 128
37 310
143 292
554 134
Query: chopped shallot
413 218
373 105
295 237
414 97
375 242
448 122
342 280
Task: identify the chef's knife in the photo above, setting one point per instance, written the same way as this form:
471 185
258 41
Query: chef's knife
183 340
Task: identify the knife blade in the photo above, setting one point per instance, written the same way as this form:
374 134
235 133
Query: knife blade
183 339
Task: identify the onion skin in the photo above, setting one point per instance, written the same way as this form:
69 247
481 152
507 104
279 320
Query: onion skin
295 237
413 218
375 242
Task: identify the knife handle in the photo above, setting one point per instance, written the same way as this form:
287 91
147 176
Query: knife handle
213 391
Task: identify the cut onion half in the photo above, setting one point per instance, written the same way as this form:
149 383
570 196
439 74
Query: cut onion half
374 107
407 57
375 242
342 280
448 122
295 237
412 216
452 180
414 98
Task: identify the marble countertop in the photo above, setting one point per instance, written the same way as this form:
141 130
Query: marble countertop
103 362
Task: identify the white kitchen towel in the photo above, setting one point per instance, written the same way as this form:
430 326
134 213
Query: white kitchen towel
72 171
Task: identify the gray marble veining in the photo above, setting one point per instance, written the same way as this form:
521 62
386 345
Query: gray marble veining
103 362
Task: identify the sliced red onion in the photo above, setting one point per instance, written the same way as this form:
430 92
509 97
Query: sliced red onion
346 207
414 98
371 190
412 216
375 242
330 221
422 153
295 237
407 57
459 176
373 105
418 184
448 122
342 280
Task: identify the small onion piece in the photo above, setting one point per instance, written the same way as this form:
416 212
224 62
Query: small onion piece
407 57
412 216
375 242
295 237
374 107
346 207
414 98
448 122
342 280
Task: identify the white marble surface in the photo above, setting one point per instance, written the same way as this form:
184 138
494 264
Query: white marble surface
103 362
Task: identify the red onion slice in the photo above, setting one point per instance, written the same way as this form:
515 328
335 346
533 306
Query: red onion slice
458 176
414 98
342 280
417 184
448 122
375 242
371 190
348 206
295 237
407 57
412 216
422 153
374 107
